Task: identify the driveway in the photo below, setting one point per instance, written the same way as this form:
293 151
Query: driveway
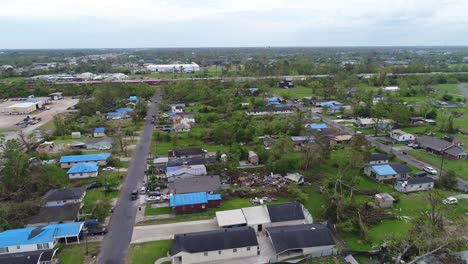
115 244
167 231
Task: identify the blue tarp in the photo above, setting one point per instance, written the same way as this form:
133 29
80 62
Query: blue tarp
133 98
84 168
188 199
99 130
318 126
84 158
383 170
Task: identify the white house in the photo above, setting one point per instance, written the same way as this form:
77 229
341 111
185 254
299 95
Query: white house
218 245
64 196
69 161
185 171
83 170
378 158
371 122
401 136
414 184
177 109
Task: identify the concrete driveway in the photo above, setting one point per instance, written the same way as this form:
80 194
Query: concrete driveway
167 231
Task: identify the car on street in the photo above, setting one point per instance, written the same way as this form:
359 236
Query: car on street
143 189
109 169
450 200
430 170
151 199
134 195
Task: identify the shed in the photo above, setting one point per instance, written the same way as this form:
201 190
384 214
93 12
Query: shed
76 135
99 132
384 200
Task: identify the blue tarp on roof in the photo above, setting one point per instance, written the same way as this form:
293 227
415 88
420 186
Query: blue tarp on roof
383 170
84 168
133 98
99 130
84 158
21 236
188 199
273 100
318 126
213 197
124 109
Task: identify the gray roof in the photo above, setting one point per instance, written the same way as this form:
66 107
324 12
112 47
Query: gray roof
433 143
419 180
196 184
188 161
299 236
31 257
185 152
454 151
64 194
400 168
379 156
97 140
56 214
214 240
285 212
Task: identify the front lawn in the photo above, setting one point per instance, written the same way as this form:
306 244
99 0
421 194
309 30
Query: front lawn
76 254
460 167
157 211
149 252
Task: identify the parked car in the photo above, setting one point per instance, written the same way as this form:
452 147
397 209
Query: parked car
95 231
93 185
151 199
143 189
430 170
134 194
450 200
104 148
420 174
109 169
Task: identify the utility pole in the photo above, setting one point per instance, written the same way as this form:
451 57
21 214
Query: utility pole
442 165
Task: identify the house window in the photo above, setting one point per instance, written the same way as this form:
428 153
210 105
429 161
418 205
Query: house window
43 246
234 250
205 254
3 249
248 248
219 252
18 247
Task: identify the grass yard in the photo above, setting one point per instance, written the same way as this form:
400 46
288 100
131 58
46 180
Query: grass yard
157 211
449 88
314 201
161 148
149 252
459 166
296 92
325 260
76 254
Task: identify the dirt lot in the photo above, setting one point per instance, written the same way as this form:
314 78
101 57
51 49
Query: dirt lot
7 122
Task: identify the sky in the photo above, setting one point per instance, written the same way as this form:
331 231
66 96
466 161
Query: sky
237 23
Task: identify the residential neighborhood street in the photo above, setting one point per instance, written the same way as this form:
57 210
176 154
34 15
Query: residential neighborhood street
115 244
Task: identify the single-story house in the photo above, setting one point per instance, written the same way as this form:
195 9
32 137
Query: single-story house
332 106
99 143
231 218
378 158
38 238
193 202
318 127
257 217
384 200
414 184
120 113
314 240
83 170
61 213
46 147
177 109
185 171
64 196
217 245
33 257
385 172
401 136
68 161
273 101
161 162
299 141
440 146
370 123
286 214
182 127
56 96
340 139
99 132
186 153
271 110
190 161
195 184
133 99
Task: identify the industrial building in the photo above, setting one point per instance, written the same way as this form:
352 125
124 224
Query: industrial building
186 68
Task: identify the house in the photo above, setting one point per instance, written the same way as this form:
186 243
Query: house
68 161
378 158
38 238
384 200
340 139
300 141
417 120
286 214
391 89
253 158
273 101
317 127
441 147
177 109
46 147
133 99
312 240
376 99
64 196
193 202
120 113
99 132
217 245
186 153
295 177
75 135
161 162
385 172
195 184
271 110
185 171
371 123
231 218
414 184
83 170
33 257
286 84
182 127
190 161
56 96
99 143
55 214
257 217
332 106
401 136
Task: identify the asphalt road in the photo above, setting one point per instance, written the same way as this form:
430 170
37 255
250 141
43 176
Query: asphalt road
462 185
115 243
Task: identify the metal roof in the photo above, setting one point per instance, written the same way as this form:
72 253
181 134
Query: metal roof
230 218
83 168
318 126
383 170
256 215
99 130
192 198
84 158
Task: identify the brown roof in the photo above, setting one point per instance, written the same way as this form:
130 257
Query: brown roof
55 214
